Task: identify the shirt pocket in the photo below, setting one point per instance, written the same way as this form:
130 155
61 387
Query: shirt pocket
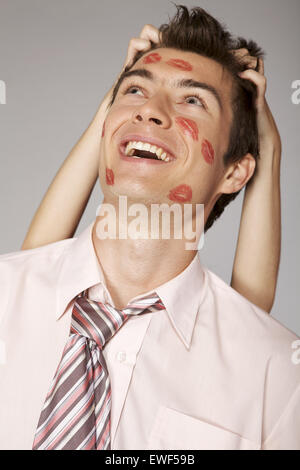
175 430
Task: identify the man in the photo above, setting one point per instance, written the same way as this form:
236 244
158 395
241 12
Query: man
199 367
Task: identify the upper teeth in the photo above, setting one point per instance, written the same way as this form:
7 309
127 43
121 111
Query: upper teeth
158 151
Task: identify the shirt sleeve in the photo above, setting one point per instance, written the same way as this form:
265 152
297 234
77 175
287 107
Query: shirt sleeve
286 433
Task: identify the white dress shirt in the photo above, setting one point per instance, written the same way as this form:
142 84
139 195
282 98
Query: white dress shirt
211 371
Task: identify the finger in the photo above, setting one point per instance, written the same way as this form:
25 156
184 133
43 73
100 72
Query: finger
240 52
148 34
260 82
136 45
151 33
261 67
250 61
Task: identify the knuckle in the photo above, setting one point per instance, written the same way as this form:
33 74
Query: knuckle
148 26
241 50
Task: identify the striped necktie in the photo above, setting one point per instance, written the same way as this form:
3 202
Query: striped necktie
77 409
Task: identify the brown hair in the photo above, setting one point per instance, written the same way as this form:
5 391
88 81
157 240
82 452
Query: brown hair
195 30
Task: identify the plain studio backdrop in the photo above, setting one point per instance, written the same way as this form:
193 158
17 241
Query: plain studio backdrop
58 58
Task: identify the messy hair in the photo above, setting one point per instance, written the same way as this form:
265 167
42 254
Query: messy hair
195 30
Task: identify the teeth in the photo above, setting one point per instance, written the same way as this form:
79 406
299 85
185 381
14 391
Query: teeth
139 145
158 151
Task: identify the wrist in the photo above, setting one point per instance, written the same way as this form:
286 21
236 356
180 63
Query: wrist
269 157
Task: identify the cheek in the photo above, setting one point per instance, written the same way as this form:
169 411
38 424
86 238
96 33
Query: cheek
182 193
188 126
208 152
103 130
180 64
152 58
109 176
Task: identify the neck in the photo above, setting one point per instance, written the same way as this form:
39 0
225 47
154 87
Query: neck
135 266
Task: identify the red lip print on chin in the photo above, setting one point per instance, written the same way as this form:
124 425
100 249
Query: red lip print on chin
208 152
189 127
152 58
180 64
109 177
182 193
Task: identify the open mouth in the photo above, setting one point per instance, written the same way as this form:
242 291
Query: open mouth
144 154
144 150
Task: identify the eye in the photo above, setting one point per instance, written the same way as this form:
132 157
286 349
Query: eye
197 98
130 88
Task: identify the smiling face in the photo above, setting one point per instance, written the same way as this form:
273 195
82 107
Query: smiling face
191 124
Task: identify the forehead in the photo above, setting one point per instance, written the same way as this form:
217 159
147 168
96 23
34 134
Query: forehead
176 63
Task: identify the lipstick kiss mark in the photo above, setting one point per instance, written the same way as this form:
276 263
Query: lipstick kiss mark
208 152
189 127
109 177
181 193
103 129
180 64
152 58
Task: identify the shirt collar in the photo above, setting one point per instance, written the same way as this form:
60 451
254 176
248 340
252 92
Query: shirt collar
79 270
182 295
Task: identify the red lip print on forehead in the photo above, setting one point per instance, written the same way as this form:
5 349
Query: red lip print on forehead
151 58
182 193
109 177
189 126
208 152
180 64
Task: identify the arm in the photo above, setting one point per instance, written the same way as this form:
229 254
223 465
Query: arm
257 256
67 196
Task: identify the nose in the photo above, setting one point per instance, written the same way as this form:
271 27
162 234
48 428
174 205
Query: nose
153 111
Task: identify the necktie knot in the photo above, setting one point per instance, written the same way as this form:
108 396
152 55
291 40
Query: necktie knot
100 321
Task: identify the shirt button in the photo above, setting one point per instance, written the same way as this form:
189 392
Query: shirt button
121 356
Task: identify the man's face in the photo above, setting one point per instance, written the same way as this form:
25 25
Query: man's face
193 123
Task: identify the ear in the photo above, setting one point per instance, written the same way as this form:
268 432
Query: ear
237 174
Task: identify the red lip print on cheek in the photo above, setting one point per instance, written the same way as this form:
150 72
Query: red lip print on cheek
208 152
180 64
189 127
152 58
103 129
181 193
109 177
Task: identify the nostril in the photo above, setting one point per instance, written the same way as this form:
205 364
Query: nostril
157 121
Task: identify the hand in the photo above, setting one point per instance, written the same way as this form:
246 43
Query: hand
148 34
269 137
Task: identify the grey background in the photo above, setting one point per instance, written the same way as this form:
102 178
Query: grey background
58 58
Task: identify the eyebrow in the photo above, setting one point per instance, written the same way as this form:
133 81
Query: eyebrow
183 83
